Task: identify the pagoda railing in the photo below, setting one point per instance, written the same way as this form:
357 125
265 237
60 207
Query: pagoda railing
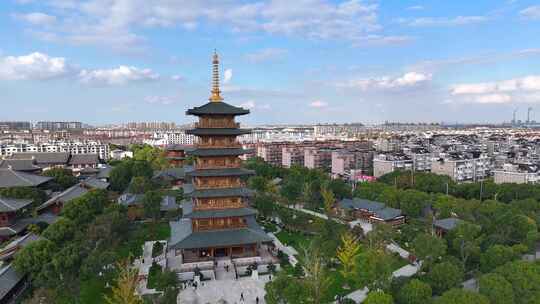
218 146
214 166
200 185
217 125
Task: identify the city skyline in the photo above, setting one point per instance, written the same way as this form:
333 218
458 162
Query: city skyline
314 62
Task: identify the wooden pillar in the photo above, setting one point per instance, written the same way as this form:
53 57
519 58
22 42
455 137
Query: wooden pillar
212 252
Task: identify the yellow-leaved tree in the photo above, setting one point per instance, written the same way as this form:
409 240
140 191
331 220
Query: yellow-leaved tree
347 253
124 290
328 198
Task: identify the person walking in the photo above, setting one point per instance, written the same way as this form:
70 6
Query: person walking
257 300
241 297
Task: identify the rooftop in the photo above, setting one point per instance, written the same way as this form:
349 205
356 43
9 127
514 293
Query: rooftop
217 108
12 178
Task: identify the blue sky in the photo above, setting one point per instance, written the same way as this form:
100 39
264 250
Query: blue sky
304 61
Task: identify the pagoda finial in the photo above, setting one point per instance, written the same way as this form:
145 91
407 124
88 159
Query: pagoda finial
215 97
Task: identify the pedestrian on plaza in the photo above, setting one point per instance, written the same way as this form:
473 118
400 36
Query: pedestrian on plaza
241 297
257 300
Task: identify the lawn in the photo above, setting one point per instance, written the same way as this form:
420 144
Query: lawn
153 275
142 232
297 240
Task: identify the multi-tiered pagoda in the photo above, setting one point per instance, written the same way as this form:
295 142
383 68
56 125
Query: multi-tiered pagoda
217 222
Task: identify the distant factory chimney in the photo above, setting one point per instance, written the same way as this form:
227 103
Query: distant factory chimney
529 110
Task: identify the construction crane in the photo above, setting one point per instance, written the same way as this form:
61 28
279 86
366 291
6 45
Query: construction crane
529 110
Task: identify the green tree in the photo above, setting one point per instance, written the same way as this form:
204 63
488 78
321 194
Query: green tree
495 256
374 268
259 183
496 288
466 241
390 196
412 202
265 204
317 279
428 248
444 276
381 235
152 204
140 185
461 296
152 155
340 188
525 279
291 191
37 195
414 292
379 297
284 289
61 231
31 258
63 178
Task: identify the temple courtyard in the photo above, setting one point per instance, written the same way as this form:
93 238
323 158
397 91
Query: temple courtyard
226 289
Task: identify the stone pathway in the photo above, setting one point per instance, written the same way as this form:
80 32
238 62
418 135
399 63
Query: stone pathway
228 290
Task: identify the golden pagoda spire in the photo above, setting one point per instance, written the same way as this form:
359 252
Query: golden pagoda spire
215 97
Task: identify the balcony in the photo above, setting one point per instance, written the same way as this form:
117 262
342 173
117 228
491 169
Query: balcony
201 186
217 125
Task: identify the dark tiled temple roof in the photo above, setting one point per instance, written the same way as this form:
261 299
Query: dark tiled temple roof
182 237
177 147
387 213
95 183
67 195
217 131
358 203
9 278
84 159
19 165
13 204
21 224
217 108
222 172
11 248
170 173
219 152
44 157
447 224
12 178
225 192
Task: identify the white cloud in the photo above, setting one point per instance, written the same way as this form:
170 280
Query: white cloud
161 100
250 104
177 77
34 66
117 24
519 90
409 79
266 55
318 104
528 83
531 12
493 98
118 76
36 18
444 21
415 8
227 76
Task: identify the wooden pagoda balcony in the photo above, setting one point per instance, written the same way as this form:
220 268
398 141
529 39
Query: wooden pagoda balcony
213 165
218 185
217 125
218 145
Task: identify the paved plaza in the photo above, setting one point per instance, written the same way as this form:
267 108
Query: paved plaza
229 290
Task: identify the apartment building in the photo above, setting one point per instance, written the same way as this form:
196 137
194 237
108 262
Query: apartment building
102 150
517 174
387 163
462 169
165 138
292 155
343 161
317 158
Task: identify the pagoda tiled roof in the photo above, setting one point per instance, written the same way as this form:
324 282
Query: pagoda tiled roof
219 152
218 131
182 236
221 172
217 108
